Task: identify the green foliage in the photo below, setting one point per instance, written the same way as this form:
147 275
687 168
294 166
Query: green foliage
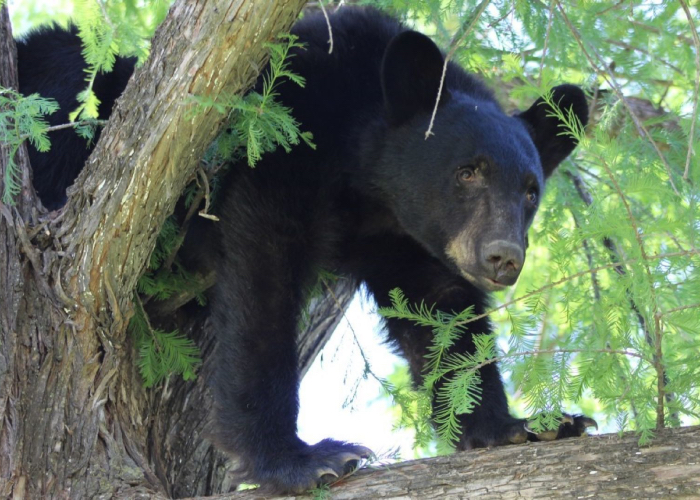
21 118
28 14
259 123
165 275
321 492
161 354
413 408
452 378
110 28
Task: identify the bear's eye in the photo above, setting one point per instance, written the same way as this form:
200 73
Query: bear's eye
466 175
531 196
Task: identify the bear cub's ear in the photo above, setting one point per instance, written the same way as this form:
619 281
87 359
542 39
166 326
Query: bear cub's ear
548 132
411 71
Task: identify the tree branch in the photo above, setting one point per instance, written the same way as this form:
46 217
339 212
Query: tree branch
148 152
606 466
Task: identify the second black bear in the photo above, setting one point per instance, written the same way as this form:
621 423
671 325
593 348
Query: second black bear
50 63
444 218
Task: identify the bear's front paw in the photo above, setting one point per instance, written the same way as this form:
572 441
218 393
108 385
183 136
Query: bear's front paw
570 426
307 466
485 434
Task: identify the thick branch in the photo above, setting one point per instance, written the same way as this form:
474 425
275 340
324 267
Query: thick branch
605 466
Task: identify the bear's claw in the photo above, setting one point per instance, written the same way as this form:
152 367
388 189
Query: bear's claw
340 463
309 466
326 472
570 426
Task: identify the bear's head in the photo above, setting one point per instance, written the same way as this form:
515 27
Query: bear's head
468 192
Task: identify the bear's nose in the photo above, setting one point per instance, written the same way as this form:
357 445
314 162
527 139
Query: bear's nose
505 259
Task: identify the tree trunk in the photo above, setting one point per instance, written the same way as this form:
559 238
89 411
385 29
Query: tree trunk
607 466
74 418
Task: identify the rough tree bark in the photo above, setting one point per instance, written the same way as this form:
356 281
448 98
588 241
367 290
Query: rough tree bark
605 466
74 419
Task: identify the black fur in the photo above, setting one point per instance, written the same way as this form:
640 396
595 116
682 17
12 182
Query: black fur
444 219
50 63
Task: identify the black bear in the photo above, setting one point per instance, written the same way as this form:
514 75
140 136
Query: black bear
444 219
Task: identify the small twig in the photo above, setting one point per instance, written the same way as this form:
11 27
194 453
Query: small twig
207 197
663 95
183 230
543 326
589 259
681 308
498 21
343 313
589 173
635 228
105 14
141 309
74 124
54 128
453 48
660 375
199 285
330 29
365 359
691 135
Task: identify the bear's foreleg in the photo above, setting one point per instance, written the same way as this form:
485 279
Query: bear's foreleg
402 263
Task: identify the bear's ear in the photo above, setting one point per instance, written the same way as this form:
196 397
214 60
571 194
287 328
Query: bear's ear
411 72
548 132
